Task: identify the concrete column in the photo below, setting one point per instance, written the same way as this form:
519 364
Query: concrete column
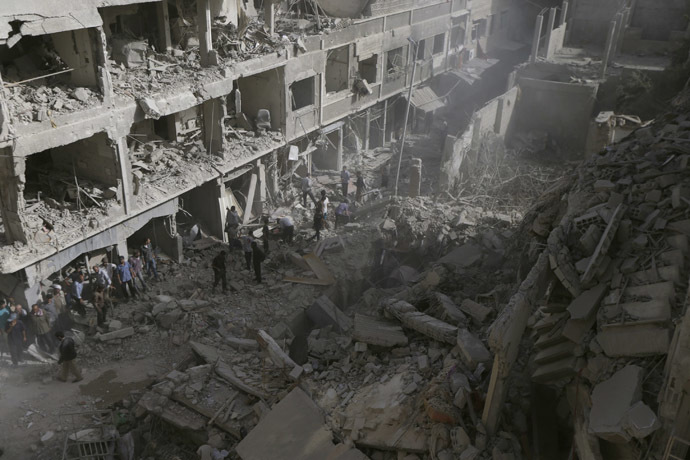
260 195
163 20
270 16
12 202
549 29
213 125
384 121
204 30
535 40
122 250
415 177
125 176
622 26
339 157
105 82
617 34
607 49
564 12
367 129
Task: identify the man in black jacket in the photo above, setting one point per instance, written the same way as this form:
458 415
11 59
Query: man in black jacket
68 355
258 256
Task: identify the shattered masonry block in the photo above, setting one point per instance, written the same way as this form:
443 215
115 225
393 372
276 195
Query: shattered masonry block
472 349
587 303
611 401
590 239
477 311
375 331
119 334
634 339
324 313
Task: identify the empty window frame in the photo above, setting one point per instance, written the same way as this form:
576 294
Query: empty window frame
439 44
368 68
302 93
337 69
394 61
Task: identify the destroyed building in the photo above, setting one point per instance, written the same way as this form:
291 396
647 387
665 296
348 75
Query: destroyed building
512 282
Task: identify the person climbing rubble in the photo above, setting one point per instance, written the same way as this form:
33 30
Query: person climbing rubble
150 259
360 185
247 241
342 213
345 181
258 256
41 326
232 224
125 276
67 359
219 272
287 228
306 190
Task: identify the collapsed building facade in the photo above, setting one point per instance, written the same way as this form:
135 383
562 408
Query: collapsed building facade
122 120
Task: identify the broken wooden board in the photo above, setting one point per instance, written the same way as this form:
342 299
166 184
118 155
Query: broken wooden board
211 356
319 268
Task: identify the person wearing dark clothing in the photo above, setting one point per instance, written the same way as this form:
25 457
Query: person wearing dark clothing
219 273
99 303
318 223
232 223
68 356
360 187
287 229
385 173
16 338
41 326
264 235
247 241
258 256
64 319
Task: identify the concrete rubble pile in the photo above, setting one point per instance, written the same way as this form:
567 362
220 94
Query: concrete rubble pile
399 373
617 256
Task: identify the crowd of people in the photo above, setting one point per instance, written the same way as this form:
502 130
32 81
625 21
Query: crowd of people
46 324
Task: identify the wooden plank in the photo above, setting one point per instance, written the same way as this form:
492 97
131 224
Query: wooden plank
313 281
319 268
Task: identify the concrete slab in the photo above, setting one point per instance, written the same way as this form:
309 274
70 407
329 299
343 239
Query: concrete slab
375 331
611 401
575 330
119 334
324 313
555 353
586 304
447 309
663 290
556 370
294 428
668 273
635 339
463 257
421 322
654 309
472 349
478 312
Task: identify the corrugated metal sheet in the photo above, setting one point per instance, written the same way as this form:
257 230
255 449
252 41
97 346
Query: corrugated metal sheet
426 99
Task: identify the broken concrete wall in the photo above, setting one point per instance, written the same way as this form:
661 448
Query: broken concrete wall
557 39
92 158
265 91
540 109
79 50
589 22
12 182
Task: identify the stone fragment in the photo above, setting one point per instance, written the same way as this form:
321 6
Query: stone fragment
472 349
375 331
477 311
640 421
324 313
611 400
120 334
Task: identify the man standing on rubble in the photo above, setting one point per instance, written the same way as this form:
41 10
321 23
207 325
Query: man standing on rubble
232 224
4 317
64 320
247 241
287 228
342 213
78 303
150 259
138 268
68 355
125 275
360 187
219 273
41 325
306 190
258 256
104 281
345 180
16 338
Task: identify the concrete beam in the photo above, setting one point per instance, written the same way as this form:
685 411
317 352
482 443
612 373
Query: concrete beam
549 29
250 199
163 18
204 25
564 12
535 39
125 173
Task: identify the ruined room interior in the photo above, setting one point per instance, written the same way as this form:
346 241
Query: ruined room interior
500 271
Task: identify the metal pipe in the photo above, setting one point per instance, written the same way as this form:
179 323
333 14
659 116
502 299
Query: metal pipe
407 112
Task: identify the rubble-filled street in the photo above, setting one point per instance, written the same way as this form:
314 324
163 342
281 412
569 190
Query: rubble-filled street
344 230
